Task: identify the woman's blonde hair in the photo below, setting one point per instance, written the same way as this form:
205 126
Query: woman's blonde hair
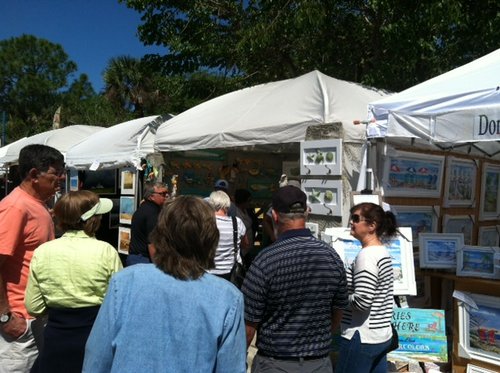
70 207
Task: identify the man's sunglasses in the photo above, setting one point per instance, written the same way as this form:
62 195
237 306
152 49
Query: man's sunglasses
163 194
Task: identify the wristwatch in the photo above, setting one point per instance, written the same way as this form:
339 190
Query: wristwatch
5 318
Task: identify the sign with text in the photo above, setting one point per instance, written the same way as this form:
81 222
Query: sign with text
422 335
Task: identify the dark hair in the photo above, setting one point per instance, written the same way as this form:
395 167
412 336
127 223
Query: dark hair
38 156
69 209
185 238
242 196
385 220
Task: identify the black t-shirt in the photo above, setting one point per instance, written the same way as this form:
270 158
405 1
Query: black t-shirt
143 222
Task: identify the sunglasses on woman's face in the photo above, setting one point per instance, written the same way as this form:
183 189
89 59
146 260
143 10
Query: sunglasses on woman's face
356 218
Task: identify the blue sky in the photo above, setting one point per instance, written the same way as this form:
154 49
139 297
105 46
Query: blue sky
90 31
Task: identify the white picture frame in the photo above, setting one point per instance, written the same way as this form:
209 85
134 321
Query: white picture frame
412 175
123 240
489 235
400 248
459 224
490 192
127 209
358 197
478 261
421 219
460 183
474 324
477 369
128 181
439 250
321 157
324 197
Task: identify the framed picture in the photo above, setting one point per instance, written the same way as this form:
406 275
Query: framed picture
321 157
438 250
478 329
102 182
127 209
358 198
73 180
421 219
476 369
489 236
314 228
478 261
128 181
123 240
413 175
460 182
324 197
490 192
400 248
459 224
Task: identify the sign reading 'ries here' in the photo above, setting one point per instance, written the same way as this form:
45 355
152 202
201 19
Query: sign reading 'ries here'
422 335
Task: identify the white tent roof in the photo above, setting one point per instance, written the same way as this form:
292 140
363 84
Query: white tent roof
116 146
460 107
271 113
61 139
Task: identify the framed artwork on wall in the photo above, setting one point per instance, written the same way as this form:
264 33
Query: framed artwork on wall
123 240
127 209
73 180
421 219
490 192
358 198
460 182
412 175
128 181
459 224
321 157
102 182
400 248
478 327
324 197
489 236
439 250
478 261
477 369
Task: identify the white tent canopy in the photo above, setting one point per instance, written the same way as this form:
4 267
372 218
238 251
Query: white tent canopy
123 144
271 113
61 139
459 109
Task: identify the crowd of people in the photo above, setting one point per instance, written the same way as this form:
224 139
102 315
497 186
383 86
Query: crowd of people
67 305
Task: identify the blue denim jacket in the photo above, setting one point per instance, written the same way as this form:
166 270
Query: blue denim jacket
153 322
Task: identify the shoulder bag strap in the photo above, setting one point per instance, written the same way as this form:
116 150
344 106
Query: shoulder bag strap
235 237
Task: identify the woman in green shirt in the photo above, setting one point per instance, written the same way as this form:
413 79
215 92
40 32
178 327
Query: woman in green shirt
68 279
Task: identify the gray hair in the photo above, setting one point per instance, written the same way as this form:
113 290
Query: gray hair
219 200
149 188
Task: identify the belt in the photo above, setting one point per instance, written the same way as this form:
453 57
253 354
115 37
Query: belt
293 358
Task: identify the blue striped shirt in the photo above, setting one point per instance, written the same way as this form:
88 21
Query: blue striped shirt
291 290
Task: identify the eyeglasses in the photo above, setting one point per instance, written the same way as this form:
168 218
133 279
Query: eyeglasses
57 173
163 194
356 218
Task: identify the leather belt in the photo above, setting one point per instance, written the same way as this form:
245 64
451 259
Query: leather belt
293 358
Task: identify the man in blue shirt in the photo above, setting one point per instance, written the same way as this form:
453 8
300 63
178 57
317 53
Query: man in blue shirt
295 291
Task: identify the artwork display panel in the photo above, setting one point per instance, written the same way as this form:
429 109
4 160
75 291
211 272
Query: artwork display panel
128 181
459 224
123 240
358 198
460 182
439 250
73 180
478 261
400 249
413 175
478 329
421 219
102 182
127 209
321 157
490 193
489 236
324 197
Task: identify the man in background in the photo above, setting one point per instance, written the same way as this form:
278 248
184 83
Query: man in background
25 224
143 222
294 292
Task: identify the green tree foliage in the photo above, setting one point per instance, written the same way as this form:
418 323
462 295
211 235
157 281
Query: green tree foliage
391 44
32 73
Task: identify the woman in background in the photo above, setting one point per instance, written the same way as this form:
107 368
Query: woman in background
171 316
366 324
68 279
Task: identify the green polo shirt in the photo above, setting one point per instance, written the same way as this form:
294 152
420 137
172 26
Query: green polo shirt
70 272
